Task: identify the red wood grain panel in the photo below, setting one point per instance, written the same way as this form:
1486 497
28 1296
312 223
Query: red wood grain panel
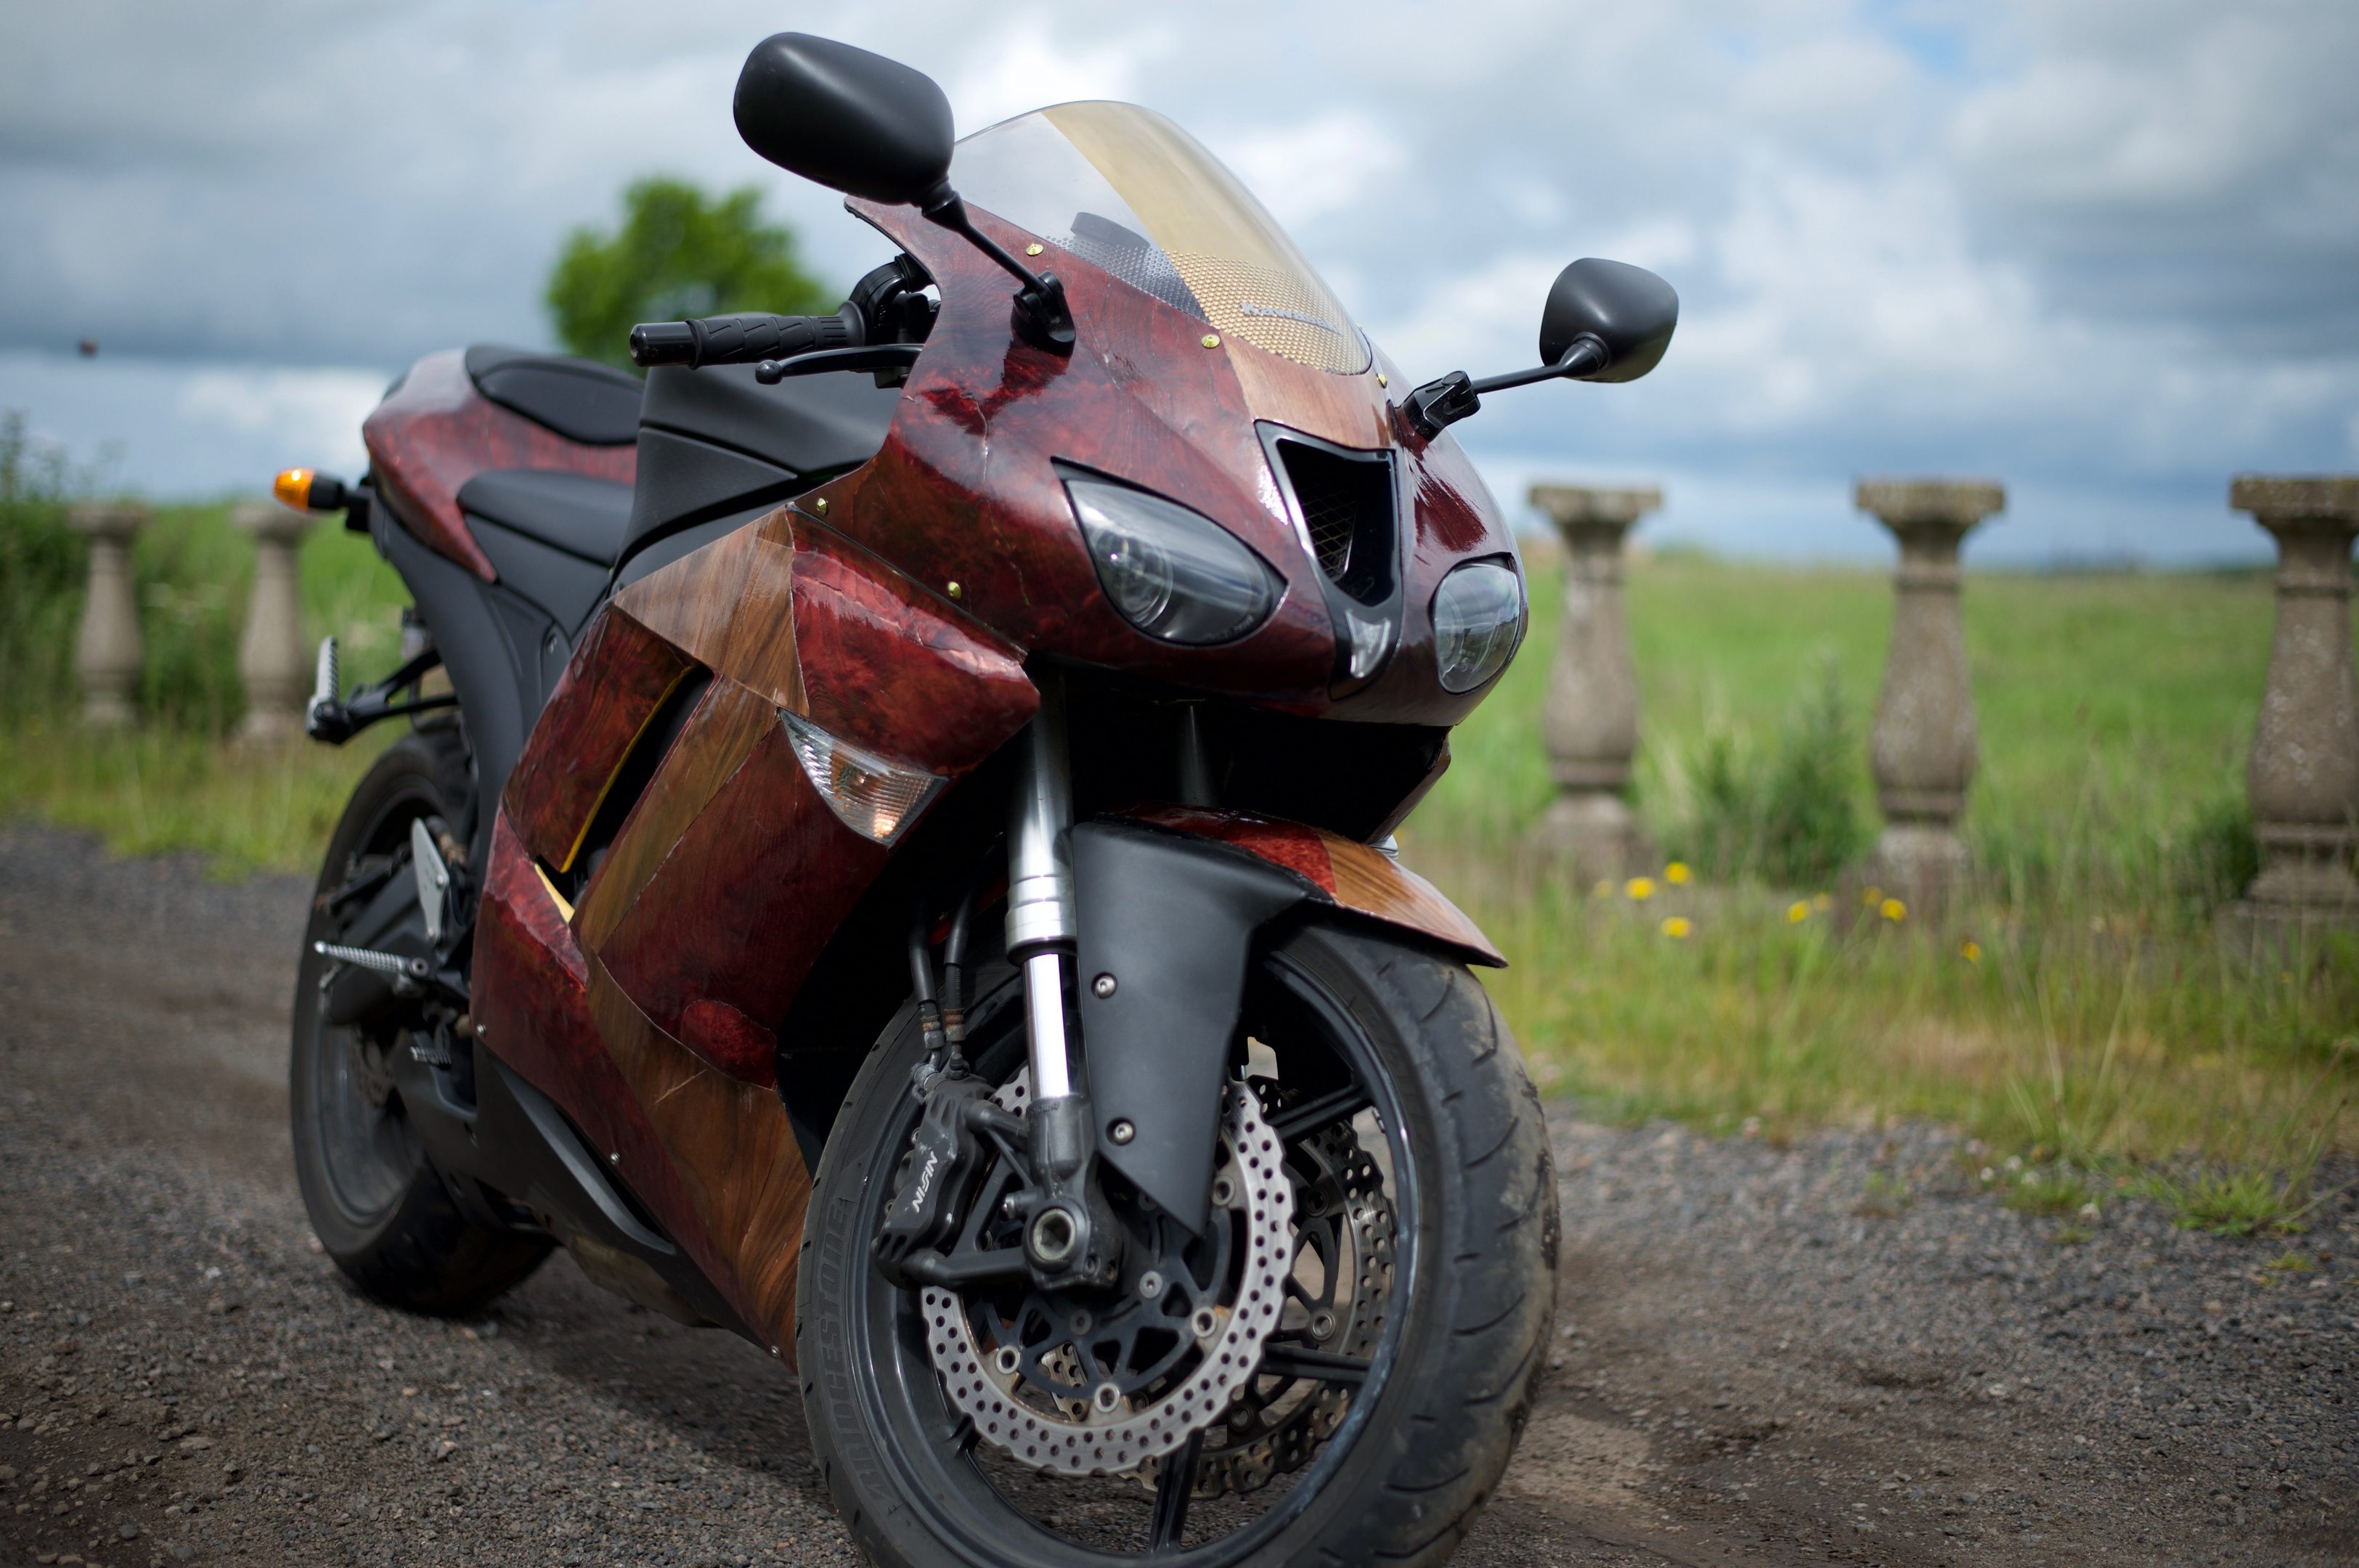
612 687
1349 875
747 899
964 490
728 721
891 668
729 606
734 1154
825 629
434 432
532 1011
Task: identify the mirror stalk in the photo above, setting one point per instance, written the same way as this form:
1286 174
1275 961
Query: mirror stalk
1040 303
1441 403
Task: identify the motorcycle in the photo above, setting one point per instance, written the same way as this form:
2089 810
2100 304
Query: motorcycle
891 855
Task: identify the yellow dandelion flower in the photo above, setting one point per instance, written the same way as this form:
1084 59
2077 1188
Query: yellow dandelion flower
1641 888
1822 902
1798 911
1871 897
1892 909
1676 874
1971 951
1604 888
1679 928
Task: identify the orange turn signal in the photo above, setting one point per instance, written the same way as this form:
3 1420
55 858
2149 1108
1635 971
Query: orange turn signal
293 488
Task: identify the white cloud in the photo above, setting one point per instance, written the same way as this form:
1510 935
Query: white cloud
2098 250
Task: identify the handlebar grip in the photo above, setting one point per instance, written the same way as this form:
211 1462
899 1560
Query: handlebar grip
744 340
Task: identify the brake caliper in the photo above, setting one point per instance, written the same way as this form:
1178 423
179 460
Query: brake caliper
937 1180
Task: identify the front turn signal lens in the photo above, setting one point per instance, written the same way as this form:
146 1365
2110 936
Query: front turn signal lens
1478 620
874 799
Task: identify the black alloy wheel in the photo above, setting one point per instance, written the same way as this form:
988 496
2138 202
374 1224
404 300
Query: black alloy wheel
1419 1300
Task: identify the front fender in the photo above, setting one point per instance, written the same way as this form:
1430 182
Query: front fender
1340 871
1169 900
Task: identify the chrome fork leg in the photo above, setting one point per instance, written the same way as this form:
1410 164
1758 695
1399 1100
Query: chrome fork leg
1041 927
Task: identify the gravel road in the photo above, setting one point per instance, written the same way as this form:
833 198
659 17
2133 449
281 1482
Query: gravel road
1747 1368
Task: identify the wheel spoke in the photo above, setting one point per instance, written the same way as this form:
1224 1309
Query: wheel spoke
1293 1361
1311 1115
1174 1485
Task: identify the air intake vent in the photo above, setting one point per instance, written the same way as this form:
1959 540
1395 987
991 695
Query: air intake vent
1345 501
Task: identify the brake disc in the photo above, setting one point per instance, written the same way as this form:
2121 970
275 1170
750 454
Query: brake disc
1114 1431
1344 1221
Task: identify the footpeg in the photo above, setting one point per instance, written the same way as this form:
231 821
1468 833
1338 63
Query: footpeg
393 966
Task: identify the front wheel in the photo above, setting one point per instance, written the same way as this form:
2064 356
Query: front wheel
1389 1390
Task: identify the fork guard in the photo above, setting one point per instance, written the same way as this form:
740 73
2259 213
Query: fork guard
1169 899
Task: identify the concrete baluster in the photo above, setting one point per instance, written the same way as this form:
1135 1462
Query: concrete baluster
273 658
1922 749
2303 780
107 653
1591 726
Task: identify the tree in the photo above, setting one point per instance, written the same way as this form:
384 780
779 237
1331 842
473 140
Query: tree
680 252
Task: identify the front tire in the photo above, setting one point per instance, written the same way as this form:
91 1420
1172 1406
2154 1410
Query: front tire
1404 1474
376 1203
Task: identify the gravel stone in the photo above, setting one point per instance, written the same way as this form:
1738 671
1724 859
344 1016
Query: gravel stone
1746 1368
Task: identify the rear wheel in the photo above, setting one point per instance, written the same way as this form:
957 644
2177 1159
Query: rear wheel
376 1203
1418 1288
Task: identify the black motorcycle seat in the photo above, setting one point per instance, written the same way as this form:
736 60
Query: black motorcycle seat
581 400
583 516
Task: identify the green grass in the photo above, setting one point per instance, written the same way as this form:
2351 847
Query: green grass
179 781
2073 1003
2072 1007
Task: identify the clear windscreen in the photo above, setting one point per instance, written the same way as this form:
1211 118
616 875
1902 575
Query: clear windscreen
1125 189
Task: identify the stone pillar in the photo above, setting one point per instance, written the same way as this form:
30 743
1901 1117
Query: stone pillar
107 653
1592 722
1922 748
272 657
2303 780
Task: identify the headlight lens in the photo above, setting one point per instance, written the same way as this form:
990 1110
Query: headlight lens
1169 571
1478 619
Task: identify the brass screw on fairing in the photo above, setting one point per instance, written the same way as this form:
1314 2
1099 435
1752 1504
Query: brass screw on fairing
819 505
956 592
1033 249
1381 380
1212 339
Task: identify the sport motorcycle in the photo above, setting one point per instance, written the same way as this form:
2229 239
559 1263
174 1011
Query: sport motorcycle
891 855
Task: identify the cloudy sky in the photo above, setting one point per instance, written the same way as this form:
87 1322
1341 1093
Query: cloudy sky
2107 253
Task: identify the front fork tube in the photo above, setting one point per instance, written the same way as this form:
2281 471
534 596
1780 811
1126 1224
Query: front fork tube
1069 1236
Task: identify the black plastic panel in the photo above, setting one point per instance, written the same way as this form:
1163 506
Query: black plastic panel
581 400
570 511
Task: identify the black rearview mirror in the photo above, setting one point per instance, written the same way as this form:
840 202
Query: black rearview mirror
1604 320
871 128
1629 310
844 118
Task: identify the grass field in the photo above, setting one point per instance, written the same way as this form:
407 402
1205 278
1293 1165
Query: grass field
2073 1008
2073 1005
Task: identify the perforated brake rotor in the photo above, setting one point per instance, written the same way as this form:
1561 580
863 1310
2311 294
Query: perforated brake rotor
1121 1433
1345 1221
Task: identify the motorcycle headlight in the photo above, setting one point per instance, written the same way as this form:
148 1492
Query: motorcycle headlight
1478 619
1172 573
